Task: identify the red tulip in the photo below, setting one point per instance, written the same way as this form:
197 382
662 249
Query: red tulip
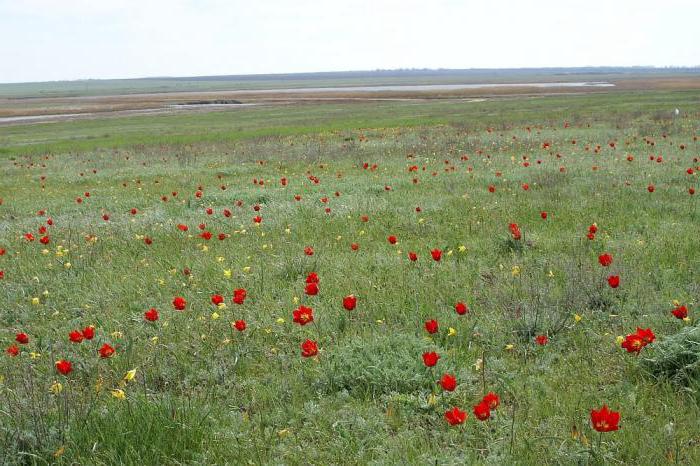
412 256
239 295
64 367
614 281
22 338
349 302
151 315
106 351
311 289
430 359
303 315
436 254
179 303
217 299
605 420
431 326
492 400
448 382
605 259
482 411
240 325
309 348
541 340
461 308
392 239
455 416
75 336
681 312
12 350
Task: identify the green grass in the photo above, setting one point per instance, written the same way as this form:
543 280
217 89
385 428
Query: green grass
206 393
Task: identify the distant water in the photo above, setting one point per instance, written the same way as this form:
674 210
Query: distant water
424 87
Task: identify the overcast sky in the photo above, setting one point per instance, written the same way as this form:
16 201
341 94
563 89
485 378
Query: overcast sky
44 40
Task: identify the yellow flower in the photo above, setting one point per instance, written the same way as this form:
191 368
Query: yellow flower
432 399
283 433
35 301
515 271
550 274
67 265
34 355
215 315
686 320
421 221
451 332
676 302
154 340
287 230
227 273
619 339
510 347
44 251
479 364
129 376
295 300
117 334
56 388
220 259
246 269
577 318
462 249
221 306
119 394
280 320
58 453
449 253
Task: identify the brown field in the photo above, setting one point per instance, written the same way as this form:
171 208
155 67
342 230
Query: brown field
58 108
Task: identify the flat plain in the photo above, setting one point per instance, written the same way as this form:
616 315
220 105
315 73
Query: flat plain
351 225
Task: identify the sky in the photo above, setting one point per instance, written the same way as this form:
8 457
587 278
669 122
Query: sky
47 40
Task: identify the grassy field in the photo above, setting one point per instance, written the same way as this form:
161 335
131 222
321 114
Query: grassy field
106 202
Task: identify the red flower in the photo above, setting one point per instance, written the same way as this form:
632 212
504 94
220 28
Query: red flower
412 256
436 254
2 274
482 411
239 295
541 340
646 334
455 416
311 289
44 240
303 315
448 382
309 348
492 188
593 229
605 259
651 188
182 227
240 325
22 338
526 186
430 359
309 251
431 326
151 315
349 302
179 303
515 231
605 420
392 239
257 219
217 299
354 246
75 336
492 400
461 308
106 351
12 350
89 332
614 281
543 214
681 312
29 237
64 367
312 278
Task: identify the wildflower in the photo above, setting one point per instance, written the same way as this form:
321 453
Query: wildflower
680 312
239 295
448 382
240 325
461 308
605 420
303 315
492 400
431 326
436 254
605 259
151 315
106 351
64 367
614 281
482 411
129 376
430 358
119 394
541 340
309 348
22 338
455 416
349 302
179 303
